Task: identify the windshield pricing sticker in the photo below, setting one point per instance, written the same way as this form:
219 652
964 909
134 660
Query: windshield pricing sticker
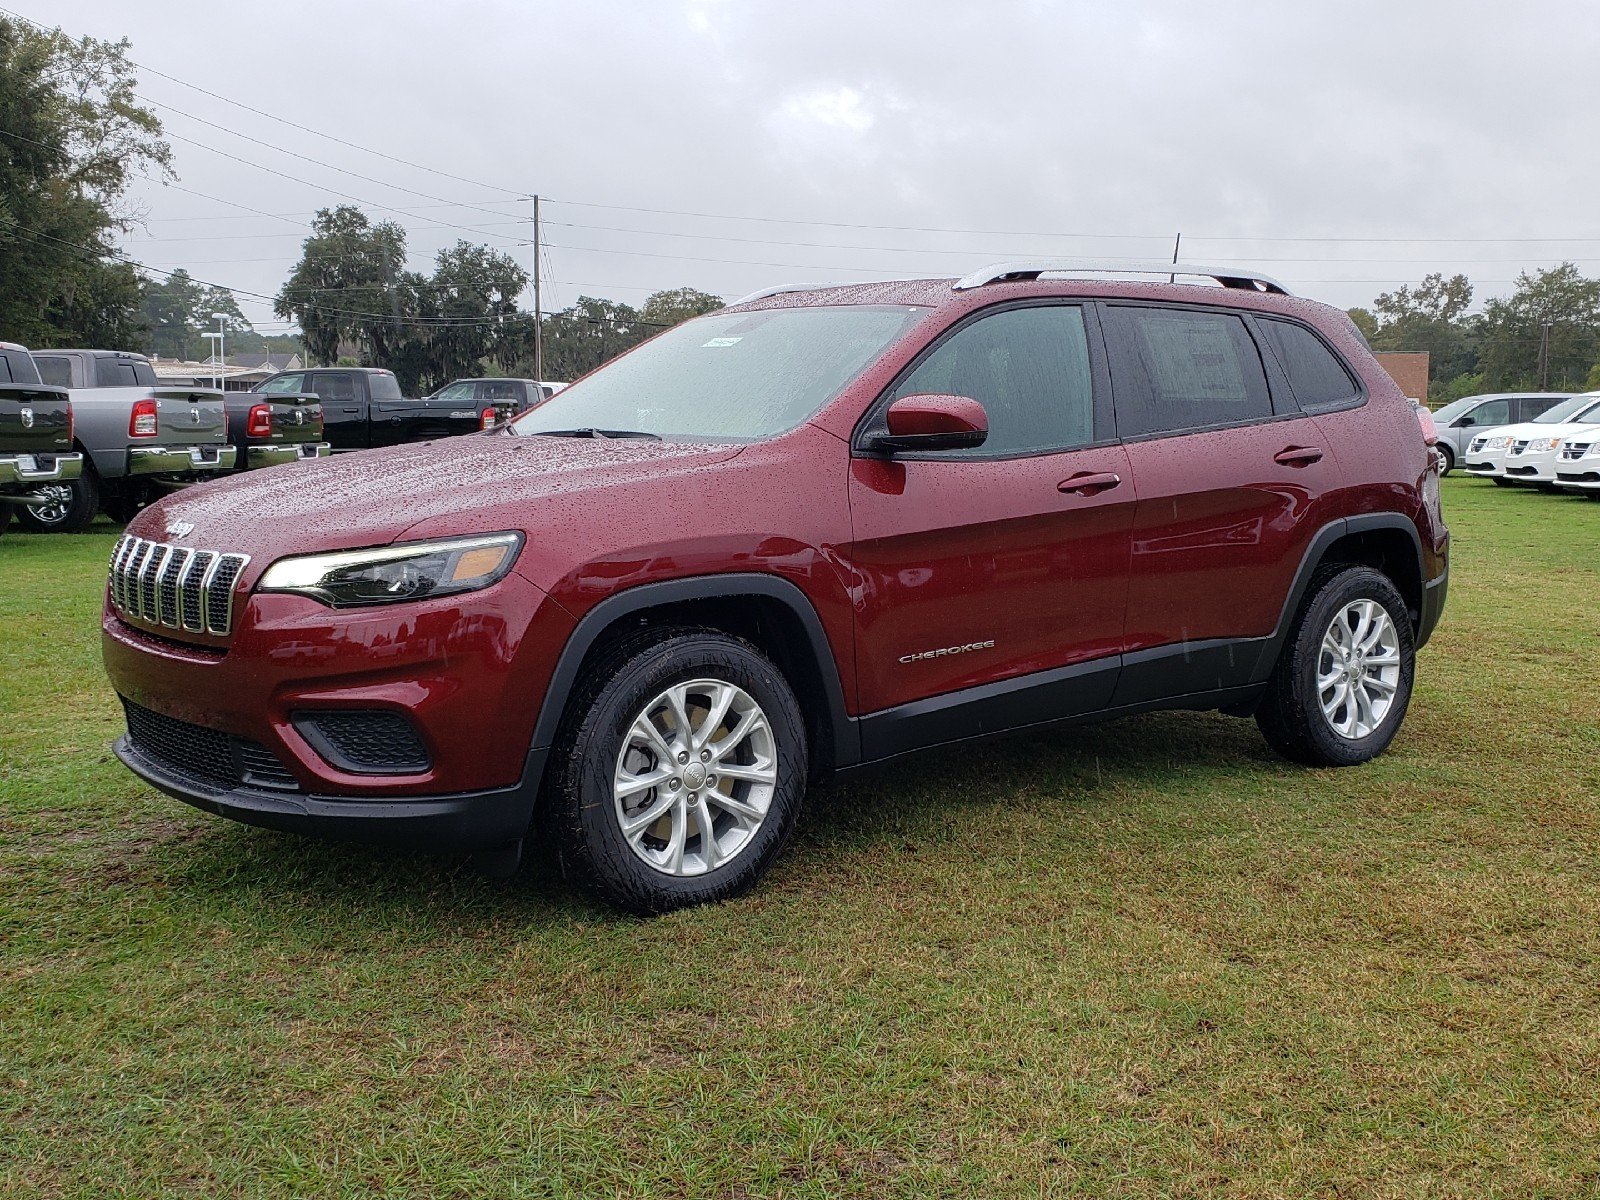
722 341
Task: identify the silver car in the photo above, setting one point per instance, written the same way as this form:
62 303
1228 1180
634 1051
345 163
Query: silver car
1462 420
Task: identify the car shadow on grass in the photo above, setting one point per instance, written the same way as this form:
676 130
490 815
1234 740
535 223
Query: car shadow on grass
1082 768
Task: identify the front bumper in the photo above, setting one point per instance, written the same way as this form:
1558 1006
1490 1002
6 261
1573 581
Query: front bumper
1487 463
28 470
1532 466
181 460
1582 475
275 456
482 820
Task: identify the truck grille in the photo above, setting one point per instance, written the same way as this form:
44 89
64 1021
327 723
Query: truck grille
208 756
175 586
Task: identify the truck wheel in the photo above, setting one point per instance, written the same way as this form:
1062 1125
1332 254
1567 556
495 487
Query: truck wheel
68 507
5 516
1341 685
122 508
678 775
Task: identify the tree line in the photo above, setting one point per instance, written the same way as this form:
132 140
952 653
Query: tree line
75 138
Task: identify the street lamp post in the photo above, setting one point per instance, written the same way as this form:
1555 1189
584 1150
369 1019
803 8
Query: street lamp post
222 348
216 370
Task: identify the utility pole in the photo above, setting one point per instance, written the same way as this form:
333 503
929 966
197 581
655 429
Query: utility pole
1544 355
538 311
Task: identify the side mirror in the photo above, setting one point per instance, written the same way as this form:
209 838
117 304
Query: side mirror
1462 422
933 421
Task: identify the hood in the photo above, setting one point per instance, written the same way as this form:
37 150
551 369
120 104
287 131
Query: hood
433 489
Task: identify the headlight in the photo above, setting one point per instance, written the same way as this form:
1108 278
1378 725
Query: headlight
1495 443
391 574
1544 443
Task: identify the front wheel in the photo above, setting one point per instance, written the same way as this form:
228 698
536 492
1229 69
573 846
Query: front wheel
1343 681
679 773
1446 457
67 507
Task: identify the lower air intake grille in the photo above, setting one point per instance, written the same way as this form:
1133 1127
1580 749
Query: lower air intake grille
365 741
208 756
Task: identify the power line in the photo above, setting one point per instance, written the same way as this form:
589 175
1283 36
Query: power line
291 124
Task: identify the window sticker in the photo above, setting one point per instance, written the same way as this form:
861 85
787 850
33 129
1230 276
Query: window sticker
721 341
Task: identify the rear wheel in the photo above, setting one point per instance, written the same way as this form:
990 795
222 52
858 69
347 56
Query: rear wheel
5 516
1447 458
67 508
1342 684
678 777
122 508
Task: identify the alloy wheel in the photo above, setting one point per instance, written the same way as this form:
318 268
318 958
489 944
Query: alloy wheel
57 502
695 777
1358 669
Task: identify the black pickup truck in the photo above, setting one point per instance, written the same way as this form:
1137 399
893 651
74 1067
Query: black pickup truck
362 407
35 434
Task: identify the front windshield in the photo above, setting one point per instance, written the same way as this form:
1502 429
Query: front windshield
736 376
1455 408
1570 410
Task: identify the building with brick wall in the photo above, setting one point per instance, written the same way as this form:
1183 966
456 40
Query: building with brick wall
1409 369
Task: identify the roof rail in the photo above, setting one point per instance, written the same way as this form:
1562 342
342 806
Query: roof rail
780 290
1032 268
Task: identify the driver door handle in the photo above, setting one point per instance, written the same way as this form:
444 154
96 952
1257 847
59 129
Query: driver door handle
1087 483
1298 456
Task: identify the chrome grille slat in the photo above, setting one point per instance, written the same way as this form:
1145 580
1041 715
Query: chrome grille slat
175 586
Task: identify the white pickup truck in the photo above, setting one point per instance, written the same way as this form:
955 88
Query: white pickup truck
137 437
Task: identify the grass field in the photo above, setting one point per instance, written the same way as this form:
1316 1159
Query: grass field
1144 959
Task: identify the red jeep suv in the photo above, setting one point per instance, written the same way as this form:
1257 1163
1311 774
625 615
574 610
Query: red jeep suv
819 528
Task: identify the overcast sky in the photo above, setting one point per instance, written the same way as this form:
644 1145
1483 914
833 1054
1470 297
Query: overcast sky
1452 135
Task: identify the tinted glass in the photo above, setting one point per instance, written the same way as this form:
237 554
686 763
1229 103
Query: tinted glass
5 369
1177 370
500 389
283 383
383 386
52 370
115 372
1317 378
1028 367
740 376
334 385
1492 412
1568 410
456 391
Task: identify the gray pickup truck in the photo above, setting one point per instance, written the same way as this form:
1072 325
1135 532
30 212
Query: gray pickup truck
138 438
35 434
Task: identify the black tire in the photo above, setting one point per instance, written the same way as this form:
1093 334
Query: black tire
580 809
79 502
5 516
1447 459
122 508
1290 714
1502 481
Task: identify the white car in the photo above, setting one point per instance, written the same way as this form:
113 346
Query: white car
1578 463
1526 453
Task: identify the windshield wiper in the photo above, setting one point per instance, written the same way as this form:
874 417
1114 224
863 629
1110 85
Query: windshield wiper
590 431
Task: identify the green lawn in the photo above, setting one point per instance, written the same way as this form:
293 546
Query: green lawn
1144 959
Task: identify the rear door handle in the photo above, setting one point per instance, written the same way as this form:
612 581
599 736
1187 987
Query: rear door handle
1087 483
1298 456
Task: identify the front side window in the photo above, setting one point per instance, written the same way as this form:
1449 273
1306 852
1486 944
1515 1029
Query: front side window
1492 412
1028 367
283 383
456 391
334 385
1317 378
727 376
1177 370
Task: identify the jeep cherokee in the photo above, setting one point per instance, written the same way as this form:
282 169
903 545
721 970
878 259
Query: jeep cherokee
821 527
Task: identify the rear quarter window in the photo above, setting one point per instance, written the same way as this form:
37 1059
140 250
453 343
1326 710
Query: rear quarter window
1317 377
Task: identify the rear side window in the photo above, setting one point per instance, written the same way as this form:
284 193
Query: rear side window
1028 367
501 389
384 386
1531 407
1319 380
54 371
5 369
1177 370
